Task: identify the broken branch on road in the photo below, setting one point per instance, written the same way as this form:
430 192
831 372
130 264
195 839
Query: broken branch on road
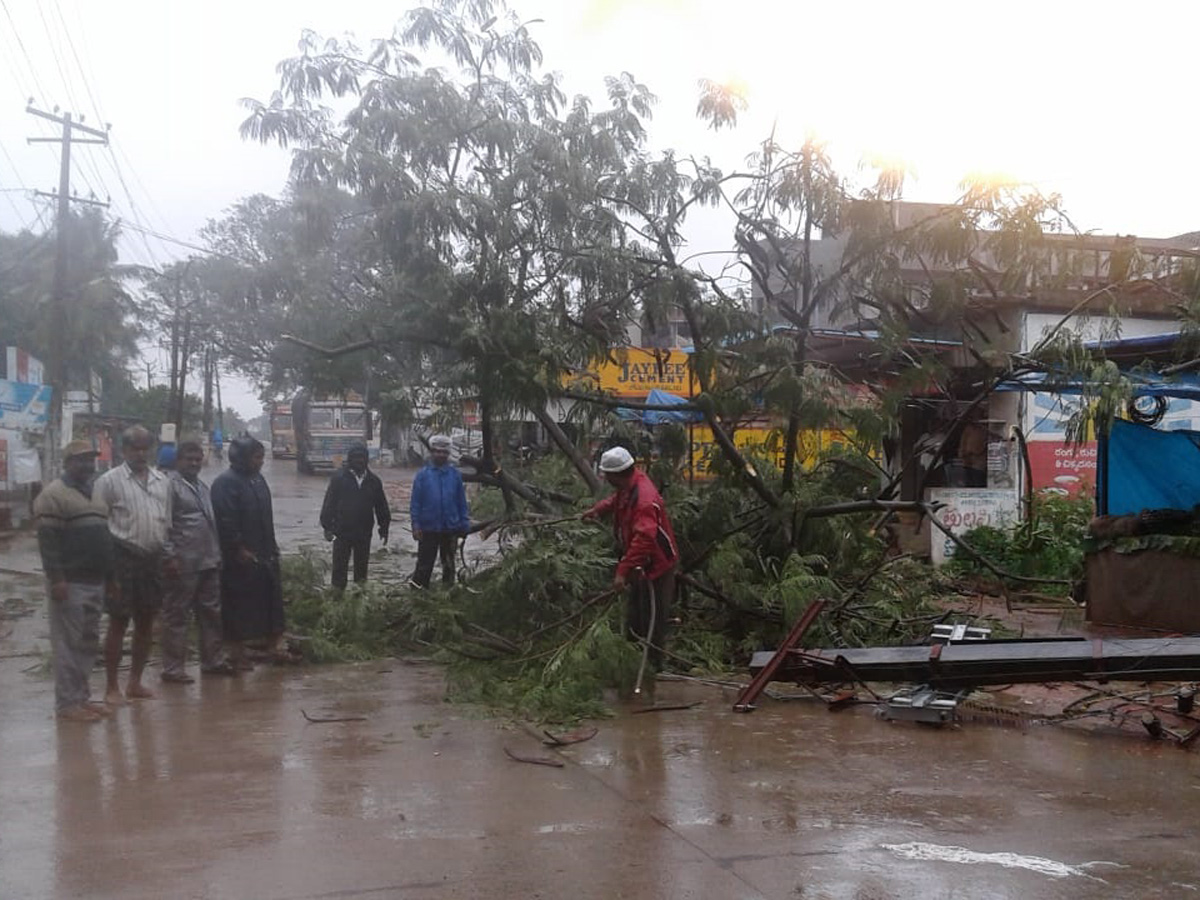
534 760
323 720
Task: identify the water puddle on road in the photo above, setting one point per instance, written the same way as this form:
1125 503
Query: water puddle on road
1050 867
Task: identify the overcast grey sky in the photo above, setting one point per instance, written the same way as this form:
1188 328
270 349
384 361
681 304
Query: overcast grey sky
1091 101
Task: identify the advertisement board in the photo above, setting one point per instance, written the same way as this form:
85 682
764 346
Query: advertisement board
636 371
17 365
762 442
24 407
967 508
1055 464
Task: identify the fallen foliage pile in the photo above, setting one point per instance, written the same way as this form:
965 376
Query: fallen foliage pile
538 632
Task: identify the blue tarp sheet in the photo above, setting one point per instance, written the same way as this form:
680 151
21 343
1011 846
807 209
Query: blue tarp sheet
659 417
1143 468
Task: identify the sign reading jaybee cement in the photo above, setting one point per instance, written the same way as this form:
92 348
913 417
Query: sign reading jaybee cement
967 508
24 407
636 371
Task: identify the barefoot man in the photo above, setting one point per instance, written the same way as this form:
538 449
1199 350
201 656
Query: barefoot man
138 516
72 529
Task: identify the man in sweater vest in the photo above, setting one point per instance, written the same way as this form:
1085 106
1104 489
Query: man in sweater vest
77 556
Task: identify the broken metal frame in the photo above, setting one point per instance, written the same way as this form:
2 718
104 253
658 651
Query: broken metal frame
767 671
957 666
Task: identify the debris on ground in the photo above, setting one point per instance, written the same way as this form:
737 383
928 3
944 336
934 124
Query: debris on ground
534 760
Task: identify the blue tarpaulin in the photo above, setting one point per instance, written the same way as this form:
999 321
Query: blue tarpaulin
660 417
1143 468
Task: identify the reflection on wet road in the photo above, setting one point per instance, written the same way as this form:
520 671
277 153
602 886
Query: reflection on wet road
222 790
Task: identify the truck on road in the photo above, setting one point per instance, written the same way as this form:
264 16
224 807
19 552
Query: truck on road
325 428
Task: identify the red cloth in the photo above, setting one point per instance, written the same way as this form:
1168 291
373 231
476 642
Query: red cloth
642 527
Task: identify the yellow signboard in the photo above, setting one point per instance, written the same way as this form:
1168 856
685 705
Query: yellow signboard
636 371
763 442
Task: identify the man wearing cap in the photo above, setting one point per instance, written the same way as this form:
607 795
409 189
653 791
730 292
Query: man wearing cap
76 548
354 502
137 495
649 553
439 513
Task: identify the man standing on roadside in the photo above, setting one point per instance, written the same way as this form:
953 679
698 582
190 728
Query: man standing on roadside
76 548
439 513
354 502
137 498
192 567
649 554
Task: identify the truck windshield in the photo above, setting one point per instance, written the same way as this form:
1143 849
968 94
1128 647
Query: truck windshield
352 419
281 423
320 418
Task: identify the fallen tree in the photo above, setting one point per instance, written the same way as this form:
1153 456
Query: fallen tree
495 238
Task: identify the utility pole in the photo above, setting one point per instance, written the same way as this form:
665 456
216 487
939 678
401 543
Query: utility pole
207 415
56 365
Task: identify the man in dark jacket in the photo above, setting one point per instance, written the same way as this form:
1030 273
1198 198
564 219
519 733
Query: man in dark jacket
251 585
439 513
354 502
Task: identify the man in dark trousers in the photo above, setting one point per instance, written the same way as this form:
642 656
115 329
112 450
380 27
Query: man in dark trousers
439 513
649 554
354 501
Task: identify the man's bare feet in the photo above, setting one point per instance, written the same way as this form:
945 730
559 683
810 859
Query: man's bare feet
114 698
135 691
103 710
78 714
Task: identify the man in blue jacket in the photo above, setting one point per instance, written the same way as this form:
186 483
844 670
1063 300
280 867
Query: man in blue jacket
439 513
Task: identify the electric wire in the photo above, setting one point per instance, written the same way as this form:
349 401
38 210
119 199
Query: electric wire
87 169
62 74
8 192
78 65
115 147
16 32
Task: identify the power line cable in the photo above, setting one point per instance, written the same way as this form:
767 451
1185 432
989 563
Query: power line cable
53 43
8 192
78 65
133 211
20 43
89 170
190 246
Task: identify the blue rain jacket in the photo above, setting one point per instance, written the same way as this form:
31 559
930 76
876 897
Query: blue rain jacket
439 501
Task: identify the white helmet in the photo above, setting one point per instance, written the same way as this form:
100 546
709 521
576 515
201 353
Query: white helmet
615 460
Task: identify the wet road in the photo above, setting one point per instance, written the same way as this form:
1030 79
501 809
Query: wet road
222 790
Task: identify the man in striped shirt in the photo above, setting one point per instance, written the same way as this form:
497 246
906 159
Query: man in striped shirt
138 517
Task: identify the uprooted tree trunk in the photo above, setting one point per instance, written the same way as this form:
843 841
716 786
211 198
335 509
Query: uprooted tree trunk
568 448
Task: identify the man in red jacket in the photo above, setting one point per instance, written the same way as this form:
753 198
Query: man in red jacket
649 554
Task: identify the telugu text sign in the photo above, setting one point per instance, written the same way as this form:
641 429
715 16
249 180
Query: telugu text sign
966 508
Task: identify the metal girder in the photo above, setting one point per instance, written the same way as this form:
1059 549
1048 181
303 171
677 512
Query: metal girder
973 663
